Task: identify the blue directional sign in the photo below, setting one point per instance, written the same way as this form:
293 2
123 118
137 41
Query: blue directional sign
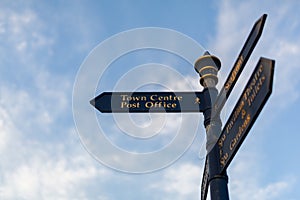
143 102
240 63
246 111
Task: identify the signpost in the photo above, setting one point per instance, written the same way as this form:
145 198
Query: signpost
225 143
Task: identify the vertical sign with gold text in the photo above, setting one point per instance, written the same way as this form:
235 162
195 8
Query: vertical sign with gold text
245 112
240 63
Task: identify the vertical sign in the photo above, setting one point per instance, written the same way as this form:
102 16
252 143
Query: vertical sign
240 63
245 112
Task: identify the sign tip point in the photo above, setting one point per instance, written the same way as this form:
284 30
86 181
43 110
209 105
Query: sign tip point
93 102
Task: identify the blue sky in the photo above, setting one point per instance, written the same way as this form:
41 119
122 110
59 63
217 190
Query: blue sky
43 45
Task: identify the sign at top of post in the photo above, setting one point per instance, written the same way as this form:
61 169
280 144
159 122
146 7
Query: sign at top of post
240 63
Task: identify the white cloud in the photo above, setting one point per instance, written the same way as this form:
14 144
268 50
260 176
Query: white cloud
7 129
180 182
35 169
244 189
40 157
44 176
246 180
23 33
272 190
43 105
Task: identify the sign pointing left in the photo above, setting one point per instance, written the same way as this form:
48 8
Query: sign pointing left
143 102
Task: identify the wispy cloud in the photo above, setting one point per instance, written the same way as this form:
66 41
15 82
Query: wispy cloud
246 179
32 166
180 182
40 155
41 174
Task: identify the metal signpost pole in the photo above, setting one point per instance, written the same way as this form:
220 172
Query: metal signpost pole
208 66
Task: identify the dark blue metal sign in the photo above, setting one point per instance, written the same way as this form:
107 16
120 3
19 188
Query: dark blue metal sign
246 111
240 63
143 102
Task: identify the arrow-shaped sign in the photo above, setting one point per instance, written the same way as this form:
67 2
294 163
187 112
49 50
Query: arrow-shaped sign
240 63
245 112
141 102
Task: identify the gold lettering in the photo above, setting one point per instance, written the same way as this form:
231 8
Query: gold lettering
233 143
234 73
160 104
126 97
254 86
229 126
255 90
179 98
149 104
243 113
153 97
240 132
236 114
123 104
221 141
130 105
123 97
223 159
